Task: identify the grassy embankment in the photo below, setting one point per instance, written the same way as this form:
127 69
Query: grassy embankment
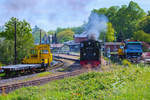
129 83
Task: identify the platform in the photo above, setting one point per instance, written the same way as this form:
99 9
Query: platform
65 56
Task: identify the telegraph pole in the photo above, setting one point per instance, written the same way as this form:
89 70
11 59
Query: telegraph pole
15 44
40 36
104 40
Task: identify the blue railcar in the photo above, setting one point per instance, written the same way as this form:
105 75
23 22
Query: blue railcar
133 49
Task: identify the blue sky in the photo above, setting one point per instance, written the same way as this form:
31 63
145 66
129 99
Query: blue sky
50 14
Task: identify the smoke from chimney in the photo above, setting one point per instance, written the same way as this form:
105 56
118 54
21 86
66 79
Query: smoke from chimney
96 25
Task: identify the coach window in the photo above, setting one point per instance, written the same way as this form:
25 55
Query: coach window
44 51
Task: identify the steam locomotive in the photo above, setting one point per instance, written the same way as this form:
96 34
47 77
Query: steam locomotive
90 53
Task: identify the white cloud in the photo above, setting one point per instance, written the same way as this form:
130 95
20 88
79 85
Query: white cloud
50 14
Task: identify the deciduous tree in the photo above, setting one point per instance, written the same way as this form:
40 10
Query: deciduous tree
24 39
65 35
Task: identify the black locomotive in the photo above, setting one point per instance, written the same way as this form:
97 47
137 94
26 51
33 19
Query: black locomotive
90 53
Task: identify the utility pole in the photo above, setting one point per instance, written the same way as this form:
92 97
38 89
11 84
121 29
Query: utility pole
104 40
40 36
15 44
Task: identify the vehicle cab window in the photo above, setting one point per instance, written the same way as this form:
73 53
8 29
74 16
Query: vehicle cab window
44 52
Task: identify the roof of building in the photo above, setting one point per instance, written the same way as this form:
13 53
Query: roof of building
113 43
72 42
84 34
56 45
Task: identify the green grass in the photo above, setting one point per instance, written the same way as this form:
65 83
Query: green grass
43 74
138 89
129 83
2 74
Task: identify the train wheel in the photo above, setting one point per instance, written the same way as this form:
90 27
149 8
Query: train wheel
44 68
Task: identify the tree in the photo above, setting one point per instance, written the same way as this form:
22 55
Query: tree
148 13
127 17
36 34
123 19
24 39
77 30
144 24
7 51
109 34
65 35
143 31
51 32
142 36
60 29
101 11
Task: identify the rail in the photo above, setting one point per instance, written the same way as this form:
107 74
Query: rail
11 87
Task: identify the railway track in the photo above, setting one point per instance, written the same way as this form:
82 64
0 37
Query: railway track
6 88
61 63
7 80
11 87
57 65
68 57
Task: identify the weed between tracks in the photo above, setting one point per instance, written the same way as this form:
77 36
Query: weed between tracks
43 74
2 74
129 83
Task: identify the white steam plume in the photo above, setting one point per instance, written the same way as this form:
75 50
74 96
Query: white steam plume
96 25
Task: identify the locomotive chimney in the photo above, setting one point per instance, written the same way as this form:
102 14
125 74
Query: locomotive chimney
91 36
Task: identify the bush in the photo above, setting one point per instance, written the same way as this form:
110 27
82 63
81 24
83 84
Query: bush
91 86
126 63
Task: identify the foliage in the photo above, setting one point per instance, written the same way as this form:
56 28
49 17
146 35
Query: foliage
24 40
112 85
7 51
143 31
51 32
65 35
109 33
141 36
144 24
102 35
123 19
44 74
36 34
77 30
134 90
148 13
126 63
101 11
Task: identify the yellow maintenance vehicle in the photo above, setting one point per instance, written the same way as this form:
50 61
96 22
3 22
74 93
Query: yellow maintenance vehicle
40 57
131 50
40 54
121 51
